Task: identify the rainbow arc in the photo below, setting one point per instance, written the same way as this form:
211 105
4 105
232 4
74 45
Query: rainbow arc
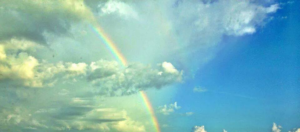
122 60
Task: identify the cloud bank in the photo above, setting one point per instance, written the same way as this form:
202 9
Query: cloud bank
55 72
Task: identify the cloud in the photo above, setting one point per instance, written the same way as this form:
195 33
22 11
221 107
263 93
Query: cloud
182 31
134 78
276 128
23 69
69 92
93 120
199 129
168 109
31 19
189 113
199 89
117 7
17 65
295 130
56 74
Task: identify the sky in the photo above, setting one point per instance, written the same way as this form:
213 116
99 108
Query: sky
149 66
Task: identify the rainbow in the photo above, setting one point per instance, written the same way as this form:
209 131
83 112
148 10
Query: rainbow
118 55
149 107
110 45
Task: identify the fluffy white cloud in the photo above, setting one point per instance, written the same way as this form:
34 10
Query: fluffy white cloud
276 128
168 67
118 7
199 129
168 109
17 65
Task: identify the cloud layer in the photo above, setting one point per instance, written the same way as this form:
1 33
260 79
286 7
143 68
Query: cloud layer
56 74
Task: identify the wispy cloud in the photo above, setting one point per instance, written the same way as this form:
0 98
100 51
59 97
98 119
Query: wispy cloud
199 89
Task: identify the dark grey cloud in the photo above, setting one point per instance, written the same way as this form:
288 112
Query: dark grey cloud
32 19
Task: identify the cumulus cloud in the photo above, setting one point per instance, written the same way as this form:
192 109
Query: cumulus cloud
168 109
199 129
18 66
276 128
117 7
134 78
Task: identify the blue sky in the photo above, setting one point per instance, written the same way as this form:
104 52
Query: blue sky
252 82
206 65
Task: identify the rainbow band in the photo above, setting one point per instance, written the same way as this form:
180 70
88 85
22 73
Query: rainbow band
110 45
118 55
149 107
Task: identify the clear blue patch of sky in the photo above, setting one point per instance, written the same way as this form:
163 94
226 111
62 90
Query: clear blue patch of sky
252 82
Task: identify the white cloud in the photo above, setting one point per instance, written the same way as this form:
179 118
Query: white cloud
168 67
298 130
25 70
77 69
168 109
272 8
17 65
118 7
276 128
134 78
199 129
189 113
2 52
295 130
199 89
